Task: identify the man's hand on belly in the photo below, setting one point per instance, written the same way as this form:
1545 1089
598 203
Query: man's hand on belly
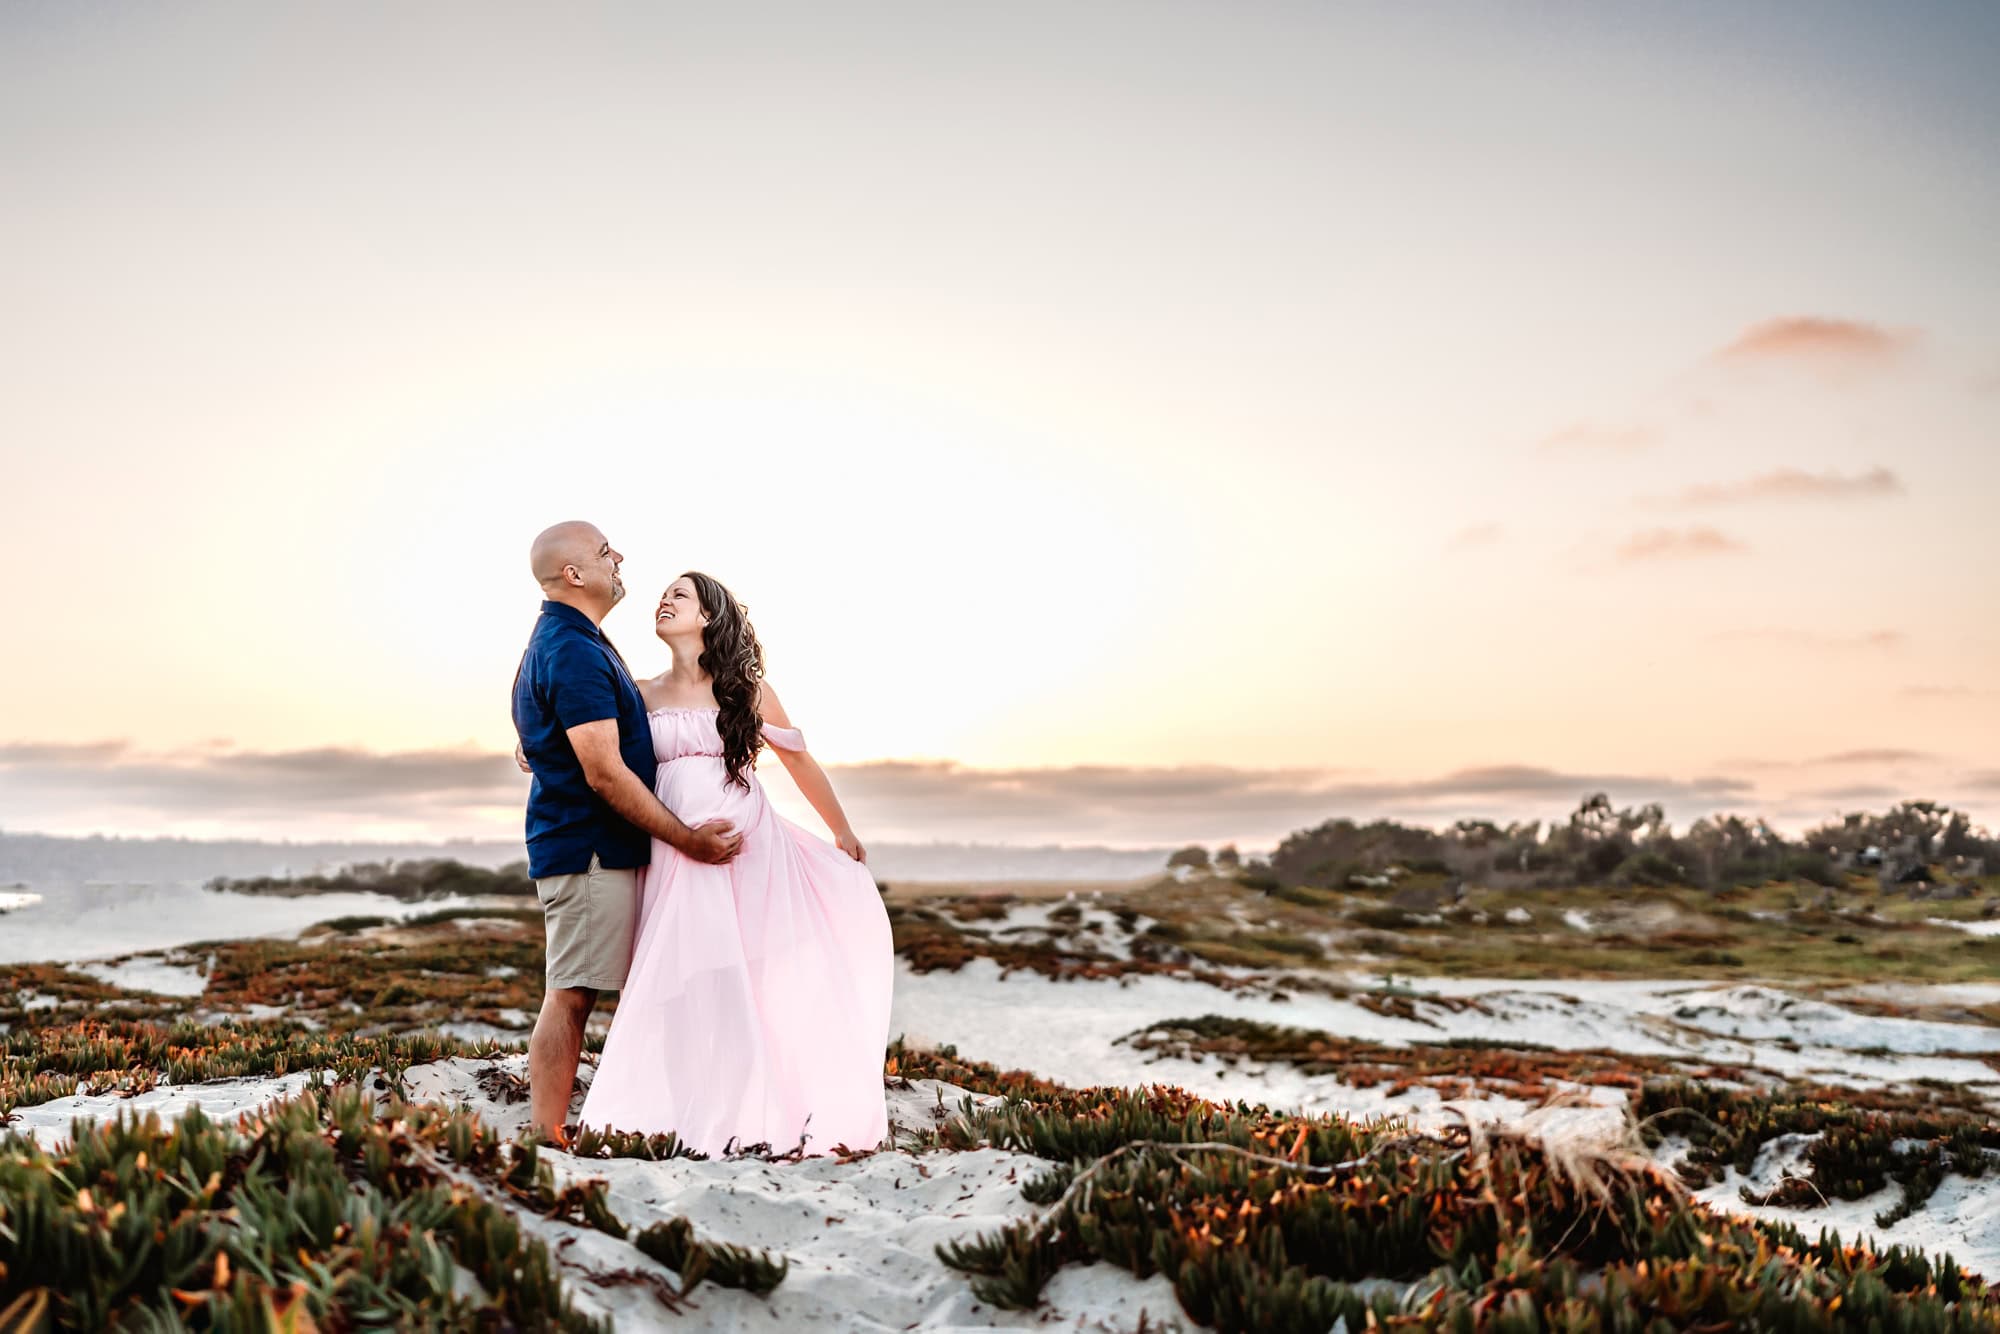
714 842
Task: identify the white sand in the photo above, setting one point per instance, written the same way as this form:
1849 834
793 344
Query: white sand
1988 927
148 972
1963 1218
49 1123
1766 1013
1920 993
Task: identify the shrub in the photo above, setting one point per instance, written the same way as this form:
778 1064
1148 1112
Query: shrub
358 922
1648 868
674 1245
1715 958
1812 866
1382 918
432 878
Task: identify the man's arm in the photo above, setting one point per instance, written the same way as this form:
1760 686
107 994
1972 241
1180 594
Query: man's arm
596 746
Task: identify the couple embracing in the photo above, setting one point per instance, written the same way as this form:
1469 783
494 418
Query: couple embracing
752 959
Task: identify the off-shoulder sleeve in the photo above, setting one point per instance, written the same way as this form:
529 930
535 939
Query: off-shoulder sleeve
784 738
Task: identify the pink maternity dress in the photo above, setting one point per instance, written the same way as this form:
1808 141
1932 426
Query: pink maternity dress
757 1007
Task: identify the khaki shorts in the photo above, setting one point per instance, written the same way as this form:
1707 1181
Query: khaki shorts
589 918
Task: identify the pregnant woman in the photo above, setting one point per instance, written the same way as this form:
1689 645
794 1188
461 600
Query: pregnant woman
757 1006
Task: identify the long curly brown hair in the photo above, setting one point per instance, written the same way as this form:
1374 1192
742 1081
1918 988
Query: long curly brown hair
734 661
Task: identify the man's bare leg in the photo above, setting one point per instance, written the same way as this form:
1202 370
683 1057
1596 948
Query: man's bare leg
553 1052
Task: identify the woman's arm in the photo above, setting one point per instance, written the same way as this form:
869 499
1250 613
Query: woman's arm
811 779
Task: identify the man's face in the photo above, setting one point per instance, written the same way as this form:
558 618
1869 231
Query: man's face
599 570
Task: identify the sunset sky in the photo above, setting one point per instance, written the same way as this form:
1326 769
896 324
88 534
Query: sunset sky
1127 423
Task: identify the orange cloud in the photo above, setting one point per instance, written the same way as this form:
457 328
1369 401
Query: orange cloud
1811 338
1476 535
1944 692
1676 543
1792 484
1596 438
1819 641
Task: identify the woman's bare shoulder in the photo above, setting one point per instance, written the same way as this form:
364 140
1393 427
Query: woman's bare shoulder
769 707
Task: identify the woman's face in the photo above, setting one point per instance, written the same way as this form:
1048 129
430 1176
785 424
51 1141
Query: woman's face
679 612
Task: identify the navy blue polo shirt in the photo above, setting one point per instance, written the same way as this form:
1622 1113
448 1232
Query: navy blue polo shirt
571 675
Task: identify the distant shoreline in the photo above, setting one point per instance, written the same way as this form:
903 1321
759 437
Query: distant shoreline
37 860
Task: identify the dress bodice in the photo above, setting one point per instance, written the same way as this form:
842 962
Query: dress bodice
680 733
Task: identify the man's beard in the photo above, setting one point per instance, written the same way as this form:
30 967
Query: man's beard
617 592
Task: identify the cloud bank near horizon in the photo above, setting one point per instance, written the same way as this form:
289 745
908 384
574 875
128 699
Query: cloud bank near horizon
113 787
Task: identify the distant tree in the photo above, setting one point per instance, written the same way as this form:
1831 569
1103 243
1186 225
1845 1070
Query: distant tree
1915 830
1194 856
1327 854
1257 874
1603 843
1227 858
1726 850
411 880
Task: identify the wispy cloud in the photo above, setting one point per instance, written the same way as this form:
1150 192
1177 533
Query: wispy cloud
1678 544
1872 793
1817 640
1815 340
196 783
61 753
1200 803
1475 535
1876 755
1865 756
1788 484
1593 437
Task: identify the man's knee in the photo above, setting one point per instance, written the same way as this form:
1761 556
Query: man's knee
568 1005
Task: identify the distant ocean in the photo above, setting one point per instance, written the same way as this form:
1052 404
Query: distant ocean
92 897
89 898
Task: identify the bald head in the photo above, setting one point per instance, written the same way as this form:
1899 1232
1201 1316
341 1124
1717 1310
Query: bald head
575 564
561 544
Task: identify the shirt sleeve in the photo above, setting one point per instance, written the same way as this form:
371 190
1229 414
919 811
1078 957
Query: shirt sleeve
582 686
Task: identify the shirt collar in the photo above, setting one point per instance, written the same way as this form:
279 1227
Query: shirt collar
562 611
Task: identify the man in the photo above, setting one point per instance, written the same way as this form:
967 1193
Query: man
591 810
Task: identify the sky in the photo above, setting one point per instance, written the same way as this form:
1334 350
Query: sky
1126 423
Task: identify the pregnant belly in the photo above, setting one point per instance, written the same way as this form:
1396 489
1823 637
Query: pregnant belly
696 788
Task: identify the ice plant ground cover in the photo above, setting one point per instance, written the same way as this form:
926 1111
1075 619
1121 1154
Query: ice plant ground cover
1196 1102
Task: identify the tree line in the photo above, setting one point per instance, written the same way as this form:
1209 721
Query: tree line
1604 844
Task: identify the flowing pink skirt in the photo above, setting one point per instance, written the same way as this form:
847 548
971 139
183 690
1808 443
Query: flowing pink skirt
757 1007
